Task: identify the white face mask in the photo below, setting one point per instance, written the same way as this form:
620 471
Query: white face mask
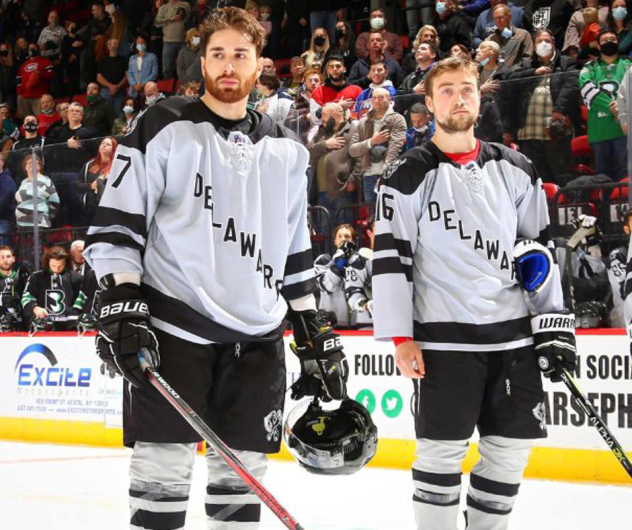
265 16
377 23
151 100
195 41
543 49
128 110
421 129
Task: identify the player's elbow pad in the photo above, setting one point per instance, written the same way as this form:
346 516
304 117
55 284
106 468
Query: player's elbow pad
534 265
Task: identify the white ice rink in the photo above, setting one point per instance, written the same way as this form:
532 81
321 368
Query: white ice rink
45 487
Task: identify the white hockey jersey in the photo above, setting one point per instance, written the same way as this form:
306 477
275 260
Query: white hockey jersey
213 218
443 264
358 285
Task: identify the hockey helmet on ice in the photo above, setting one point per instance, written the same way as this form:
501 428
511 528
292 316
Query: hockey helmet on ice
331 442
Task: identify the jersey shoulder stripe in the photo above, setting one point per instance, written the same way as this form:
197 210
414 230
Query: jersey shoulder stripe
408 172
498 152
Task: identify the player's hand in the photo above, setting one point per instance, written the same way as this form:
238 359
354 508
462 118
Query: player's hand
554 337
324 368
366 306
123 330
409 360
40 312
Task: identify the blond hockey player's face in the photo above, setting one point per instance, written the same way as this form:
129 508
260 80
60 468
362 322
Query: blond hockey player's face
7 259
230 66
455 101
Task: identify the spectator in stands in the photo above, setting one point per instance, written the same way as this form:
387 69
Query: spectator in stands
333 182
61 110
192 88
553 15
78 263
93 177
413 88
515 44
324 13
335 88
142 68
99 113
377 75
343 43
188 63
123 123
49 42
268 65
544 105
492 73
359 74
22 147
70 60
576 26
377 141
8 189
121 31
172 18
10 130
47 197
297 25
599 84
152 94
452 26
33 80
51 292
21 51
7 76
458 50
299 118
420 132
620 21
297 71
392 44
89 38
427 34
112 76
417 10
277 102
485 25
48 115
314 57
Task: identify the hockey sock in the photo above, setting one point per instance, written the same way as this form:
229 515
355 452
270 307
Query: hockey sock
495 481
230 504
437 481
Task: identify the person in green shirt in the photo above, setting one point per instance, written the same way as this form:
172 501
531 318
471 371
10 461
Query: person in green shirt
599 82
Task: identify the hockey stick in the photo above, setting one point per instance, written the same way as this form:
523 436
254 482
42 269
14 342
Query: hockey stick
596 420
571 245
222 449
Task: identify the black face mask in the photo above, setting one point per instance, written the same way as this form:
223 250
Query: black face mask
319 41
30 127
33 53
330 126
609 48
339 34
4 53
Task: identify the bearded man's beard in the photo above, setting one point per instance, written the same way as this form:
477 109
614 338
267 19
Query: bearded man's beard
230 94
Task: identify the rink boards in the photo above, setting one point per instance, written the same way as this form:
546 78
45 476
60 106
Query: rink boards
52 391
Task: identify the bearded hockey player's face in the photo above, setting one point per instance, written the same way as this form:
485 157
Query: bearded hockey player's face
230 66
7 259
455 101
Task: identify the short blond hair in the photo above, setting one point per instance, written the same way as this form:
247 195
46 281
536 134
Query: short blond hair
451 64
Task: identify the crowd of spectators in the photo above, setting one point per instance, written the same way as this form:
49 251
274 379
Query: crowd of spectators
74 75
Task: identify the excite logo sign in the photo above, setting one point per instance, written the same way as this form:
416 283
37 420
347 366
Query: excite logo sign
37 367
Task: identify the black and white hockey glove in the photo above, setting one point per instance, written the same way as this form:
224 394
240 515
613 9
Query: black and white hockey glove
340 259
324 368
123 330
554 336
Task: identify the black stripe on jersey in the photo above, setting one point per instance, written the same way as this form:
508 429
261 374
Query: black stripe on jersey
389 242
299 262
392 266
158 521
408 172
473 503
116 239
494 487
299 289
461 333
105 216
244 513
180 315
454 502
437 479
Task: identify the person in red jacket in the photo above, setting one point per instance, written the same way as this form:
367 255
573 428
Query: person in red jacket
33 81
336 88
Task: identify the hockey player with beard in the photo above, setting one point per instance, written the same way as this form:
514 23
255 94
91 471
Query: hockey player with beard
12 282
449 219
200 243
51 292
358 279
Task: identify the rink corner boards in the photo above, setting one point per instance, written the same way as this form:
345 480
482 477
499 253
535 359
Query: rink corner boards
52 392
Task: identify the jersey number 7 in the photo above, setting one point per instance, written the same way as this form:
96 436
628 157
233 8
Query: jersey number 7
128 164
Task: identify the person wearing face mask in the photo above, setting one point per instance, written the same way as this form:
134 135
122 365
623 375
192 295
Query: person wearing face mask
48 115
142 68
152 94
334 182
343 44
576 26
22 148
33 80
553 15
452 26
494 93
485 24
112 76
99 114
123 123
515 44
188 63
599 82
421 130
543 108
314 56
393 48
620 20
